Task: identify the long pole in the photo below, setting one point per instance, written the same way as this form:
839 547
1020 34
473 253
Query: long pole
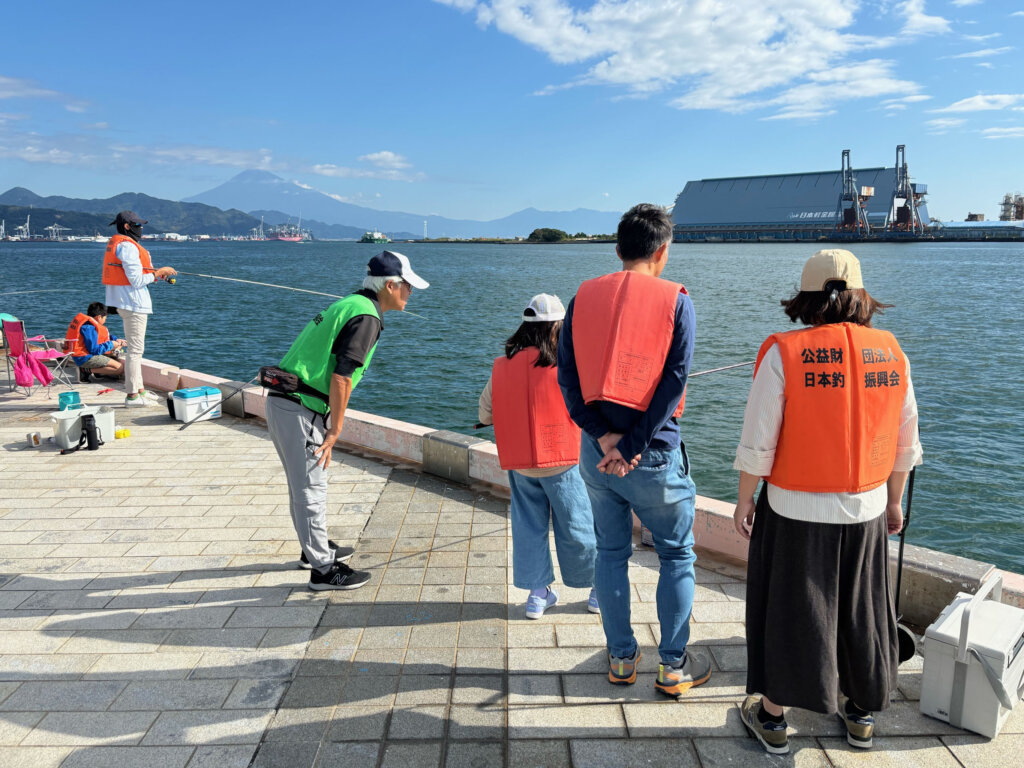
723 368
282 287
265 285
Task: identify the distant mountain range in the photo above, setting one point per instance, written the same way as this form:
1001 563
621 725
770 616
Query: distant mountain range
162 215
221 211
257 191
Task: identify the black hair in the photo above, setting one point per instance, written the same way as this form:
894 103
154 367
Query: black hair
543 335
835 304
643 229
97 309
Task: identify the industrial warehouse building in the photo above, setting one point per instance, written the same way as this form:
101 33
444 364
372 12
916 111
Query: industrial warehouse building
840 204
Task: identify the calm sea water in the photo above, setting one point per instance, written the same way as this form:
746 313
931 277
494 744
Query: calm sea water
955 315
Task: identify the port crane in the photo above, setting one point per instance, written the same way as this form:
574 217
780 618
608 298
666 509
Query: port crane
24 232
55 230
851 209
906 197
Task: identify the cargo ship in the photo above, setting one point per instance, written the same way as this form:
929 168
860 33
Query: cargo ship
374 237
288 233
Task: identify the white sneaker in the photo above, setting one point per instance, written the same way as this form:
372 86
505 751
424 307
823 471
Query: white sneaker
138 402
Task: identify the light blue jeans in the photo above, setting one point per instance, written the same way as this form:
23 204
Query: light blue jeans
661 493
562 500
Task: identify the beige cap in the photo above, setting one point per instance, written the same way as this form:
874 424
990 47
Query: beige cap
831 264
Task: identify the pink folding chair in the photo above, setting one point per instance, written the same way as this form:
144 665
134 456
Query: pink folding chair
26 366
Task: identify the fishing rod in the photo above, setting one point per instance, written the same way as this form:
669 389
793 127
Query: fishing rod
723 368
41 290
282 287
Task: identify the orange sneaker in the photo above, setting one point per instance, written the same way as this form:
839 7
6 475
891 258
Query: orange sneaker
675 681
622 671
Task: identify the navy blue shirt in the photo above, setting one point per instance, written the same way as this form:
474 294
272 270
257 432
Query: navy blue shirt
654 428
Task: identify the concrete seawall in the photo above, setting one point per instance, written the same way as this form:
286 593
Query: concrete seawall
930 578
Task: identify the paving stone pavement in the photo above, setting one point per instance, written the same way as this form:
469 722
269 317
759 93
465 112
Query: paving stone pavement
151 614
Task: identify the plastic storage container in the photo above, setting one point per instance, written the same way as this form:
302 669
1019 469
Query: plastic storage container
67 425
189 403
974 662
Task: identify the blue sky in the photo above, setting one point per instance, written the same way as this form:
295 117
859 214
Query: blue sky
477 109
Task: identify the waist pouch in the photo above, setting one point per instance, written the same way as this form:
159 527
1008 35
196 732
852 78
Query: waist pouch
277 380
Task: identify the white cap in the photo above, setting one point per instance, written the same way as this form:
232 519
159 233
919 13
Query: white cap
546 308
393 264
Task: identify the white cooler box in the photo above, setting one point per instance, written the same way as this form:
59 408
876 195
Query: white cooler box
189 403
67 425
974 661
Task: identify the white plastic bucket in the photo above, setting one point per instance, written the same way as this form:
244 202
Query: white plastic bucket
67 425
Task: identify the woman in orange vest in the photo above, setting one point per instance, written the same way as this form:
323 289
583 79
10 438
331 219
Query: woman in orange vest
831 427
539 446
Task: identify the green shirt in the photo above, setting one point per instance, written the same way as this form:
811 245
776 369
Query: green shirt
310 356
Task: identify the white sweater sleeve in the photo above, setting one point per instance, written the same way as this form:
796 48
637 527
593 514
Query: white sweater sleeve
762 419
128 253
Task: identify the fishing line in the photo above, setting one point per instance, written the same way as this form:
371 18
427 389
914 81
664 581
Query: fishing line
723 368
478 425
282 287
41 290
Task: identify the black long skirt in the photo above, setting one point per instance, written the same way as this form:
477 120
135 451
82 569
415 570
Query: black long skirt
819 612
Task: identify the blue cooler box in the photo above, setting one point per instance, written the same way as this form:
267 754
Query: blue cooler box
189 403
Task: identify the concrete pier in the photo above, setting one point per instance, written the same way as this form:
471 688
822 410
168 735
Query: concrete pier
151 614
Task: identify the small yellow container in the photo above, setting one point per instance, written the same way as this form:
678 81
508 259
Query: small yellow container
119 433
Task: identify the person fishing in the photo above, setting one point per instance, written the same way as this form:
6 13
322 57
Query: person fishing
831 426
539 447
93 348
623 359
127 272
329 357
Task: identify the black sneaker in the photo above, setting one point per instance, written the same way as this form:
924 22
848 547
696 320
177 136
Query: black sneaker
340 576
83 376
341 555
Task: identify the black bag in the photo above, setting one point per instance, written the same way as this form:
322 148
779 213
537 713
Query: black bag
91 438
276 380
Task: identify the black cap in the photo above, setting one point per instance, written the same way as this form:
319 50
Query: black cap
128 217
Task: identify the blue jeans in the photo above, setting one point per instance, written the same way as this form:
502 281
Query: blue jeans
562 499
661 493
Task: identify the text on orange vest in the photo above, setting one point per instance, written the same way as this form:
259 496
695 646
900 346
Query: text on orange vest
845 386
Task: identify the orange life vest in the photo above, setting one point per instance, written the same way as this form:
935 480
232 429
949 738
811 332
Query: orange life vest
621 333
73 341
531 423
845 386
113 270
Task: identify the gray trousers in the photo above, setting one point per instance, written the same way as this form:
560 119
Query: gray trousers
297 432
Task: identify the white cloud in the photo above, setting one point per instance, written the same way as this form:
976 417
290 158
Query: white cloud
943 123
917 22
95 126
983 102
342 172
237 158
386 159
982 38
963 3
1017 13
16 88
709 55
983 53
1016 132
